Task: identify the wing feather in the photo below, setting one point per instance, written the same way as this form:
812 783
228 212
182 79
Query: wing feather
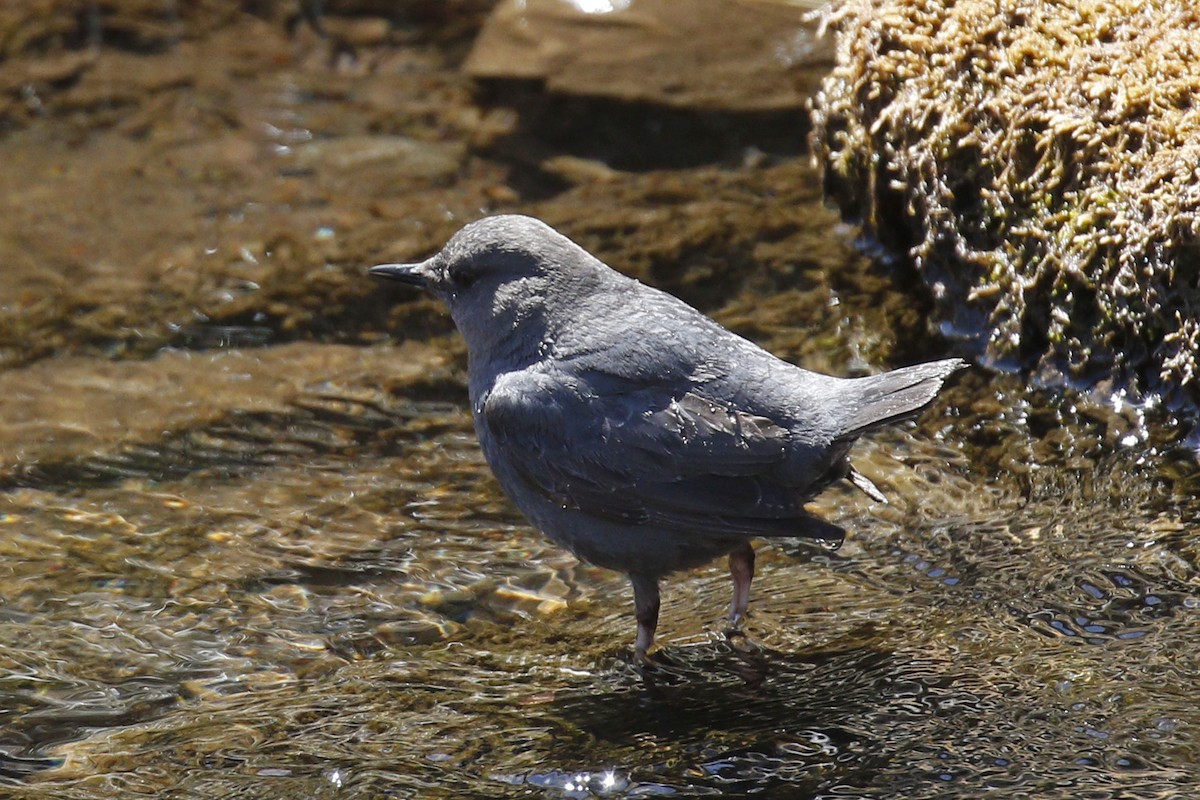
649 457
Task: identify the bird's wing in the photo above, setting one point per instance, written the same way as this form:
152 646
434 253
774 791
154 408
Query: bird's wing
649 456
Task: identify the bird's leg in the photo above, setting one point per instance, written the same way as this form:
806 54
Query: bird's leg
645 603
741 569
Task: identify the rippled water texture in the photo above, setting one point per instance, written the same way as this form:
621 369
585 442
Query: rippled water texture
249 548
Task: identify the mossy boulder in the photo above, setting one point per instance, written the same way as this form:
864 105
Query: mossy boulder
1040 162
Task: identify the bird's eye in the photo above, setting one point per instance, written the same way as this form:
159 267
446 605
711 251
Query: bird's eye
463 277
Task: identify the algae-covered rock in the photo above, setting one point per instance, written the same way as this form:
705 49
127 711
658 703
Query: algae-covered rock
1041 163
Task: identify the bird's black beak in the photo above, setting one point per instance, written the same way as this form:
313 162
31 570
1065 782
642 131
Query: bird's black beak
413 274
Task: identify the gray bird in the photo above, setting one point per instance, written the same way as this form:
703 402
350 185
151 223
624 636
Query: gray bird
633 430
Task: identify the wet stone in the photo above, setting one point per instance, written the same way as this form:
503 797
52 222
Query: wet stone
415 159
688 54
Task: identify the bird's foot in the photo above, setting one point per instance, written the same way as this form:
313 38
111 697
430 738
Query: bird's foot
657 659
736 626
641 658
659 672
738 637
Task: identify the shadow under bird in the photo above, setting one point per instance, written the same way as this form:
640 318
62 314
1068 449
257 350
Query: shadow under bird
635 431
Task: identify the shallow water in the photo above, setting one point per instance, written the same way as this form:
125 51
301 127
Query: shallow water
249 548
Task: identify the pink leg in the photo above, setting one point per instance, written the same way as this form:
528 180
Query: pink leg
645 603
741 569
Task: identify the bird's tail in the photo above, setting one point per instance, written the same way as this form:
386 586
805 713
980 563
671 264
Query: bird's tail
878 400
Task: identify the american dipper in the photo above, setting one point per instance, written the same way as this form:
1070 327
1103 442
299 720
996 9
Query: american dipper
632 429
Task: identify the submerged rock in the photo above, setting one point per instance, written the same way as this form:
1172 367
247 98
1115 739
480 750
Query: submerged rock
96 418
1040 164
695 54
412 158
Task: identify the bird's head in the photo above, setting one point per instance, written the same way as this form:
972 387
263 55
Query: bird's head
504 273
